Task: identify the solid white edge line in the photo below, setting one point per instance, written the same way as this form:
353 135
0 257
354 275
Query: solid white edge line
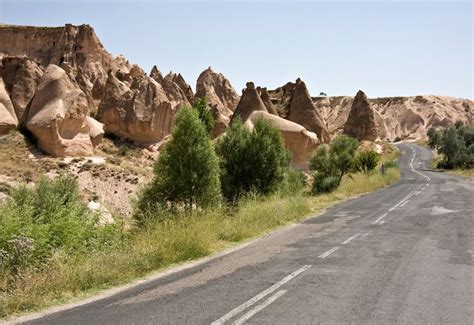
260 296
348 240
329 252
259 308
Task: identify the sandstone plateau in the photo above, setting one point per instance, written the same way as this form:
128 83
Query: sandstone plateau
62 85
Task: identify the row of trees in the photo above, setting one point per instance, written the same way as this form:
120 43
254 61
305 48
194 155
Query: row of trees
455 143
193 173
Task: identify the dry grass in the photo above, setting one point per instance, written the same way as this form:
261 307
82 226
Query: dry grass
172 242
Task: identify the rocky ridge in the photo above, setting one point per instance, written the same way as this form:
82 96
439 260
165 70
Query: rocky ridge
62 85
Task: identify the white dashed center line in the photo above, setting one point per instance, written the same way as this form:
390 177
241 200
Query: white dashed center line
329 252
260 296
348 240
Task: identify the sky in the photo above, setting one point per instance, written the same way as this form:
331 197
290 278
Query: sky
386 48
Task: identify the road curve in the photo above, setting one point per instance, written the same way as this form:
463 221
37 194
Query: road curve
398 255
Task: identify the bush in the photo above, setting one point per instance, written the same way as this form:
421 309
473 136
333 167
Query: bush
333 162
254 160
456 144
366 161
186 172
37 222
391 164
324 184
293 182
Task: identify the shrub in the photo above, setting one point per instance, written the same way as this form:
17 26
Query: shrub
186 172
252 160
35 222
324 184
333 162
456 144
366 161
391 164
293 182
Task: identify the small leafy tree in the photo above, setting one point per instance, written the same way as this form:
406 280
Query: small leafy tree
367 160
205 114
252 160
434 138
186 172
330 164
342 152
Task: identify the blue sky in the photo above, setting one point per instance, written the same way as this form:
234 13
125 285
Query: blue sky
385 48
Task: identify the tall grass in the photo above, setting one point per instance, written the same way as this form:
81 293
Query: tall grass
172 241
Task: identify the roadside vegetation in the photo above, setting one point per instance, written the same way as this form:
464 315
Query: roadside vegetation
454 147
204 197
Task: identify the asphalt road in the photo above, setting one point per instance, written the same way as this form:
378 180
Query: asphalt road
398 255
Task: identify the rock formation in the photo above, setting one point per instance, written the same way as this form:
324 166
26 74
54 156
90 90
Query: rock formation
400 117
265 97
361 121
249 103
298 140
141 112
21 76
8 120
57 116
221 96
303 112
181 83
77 45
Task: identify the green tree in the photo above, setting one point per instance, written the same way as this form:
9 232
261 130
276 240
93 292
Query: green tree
342 152
252 160
367 160
330 164
186 172
205 114
434 138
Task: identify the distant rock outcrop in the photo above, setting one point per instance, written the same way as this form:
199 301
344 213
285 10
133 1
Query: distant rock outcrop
265 97
361 121
179 80
8 120
57 116
222 98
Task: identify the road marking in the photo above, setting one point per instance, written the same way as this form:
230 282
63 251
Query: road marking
329 252
260 296
348 240
379 219
413 169
403 200
258 308
404 203
366 234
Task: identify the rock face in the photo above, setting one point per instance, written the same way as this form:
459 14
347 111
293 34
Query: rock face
77 45
298 140
265 97
140 111
22 77
8 120
221 96
57 116
249 103
303 112
361 121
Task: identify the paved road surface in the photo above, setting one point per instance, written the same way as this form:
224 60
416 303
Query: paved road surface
399 255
